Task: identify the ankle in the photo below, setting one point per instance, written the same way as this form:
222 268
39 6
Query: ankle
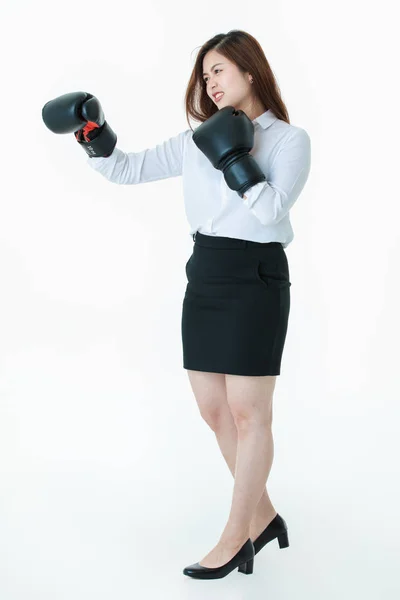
265 508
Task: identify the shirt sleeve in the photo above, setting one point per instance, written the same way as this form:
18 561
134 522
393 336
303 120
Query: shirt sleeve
130 168
272 199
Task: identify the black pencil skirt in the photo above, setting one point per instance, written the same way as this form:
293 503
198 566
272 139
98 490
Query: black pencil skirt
236 306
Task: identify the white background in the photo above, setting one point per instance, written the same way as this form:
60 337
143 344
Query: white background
110 481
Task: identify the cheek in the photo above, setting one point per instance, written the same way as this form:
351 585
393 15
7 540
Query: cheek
231 82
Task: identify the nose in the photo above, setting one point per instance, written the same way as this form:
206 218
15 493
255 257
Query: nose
211 85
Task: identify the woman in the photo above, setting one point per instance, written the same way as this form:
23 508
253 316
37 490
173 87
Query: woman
237 301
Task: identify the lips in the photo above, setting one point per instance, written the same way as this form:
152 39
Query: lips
218 95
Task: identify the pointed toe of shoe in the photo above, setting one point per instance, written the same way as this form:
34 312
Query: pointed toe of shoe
197 571
191 569
243 560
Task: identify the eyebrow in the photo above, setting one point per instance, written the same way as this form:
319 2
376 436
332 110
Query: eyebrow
213 68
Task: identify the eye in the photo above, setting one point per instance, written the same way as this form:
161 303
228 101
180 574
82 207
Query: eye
214 72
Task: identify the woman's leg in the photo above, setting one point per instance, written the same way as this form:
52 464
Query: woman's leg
250 401
210 392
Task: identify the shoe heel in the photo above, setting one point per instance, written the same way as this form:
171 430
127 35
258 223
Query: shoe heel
247 567
283 540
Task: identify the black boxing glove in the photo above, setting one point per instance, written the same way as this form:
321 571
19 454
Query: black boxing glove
82 114
226 139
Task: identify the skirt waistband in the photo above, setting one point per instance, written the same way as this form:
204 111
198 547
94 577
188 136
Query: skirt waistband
213 241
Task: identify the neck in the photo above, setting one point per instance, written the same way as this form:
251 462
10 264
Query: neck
253 110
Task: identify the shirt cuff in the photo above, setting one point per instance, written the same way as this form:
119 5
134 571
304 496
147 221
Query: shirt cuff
253 193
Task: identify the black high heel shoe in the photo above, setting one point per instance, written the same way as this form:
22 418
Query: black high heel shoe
244 559
276 529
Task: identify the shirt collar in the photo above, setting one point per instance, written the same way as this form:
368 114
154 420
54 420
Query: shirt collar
266 119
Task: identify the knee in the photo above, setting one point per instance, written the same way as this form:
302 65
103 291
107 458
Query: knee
218 418
248 421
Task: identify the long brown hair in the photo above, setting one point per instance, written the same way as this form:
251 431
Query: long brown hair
244 50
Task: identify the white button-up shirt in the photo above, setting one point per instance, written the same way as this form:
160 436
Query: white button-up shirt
282 151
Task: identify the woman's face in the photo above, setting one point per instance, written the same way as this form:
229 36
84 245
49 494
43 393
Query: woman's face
226 78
